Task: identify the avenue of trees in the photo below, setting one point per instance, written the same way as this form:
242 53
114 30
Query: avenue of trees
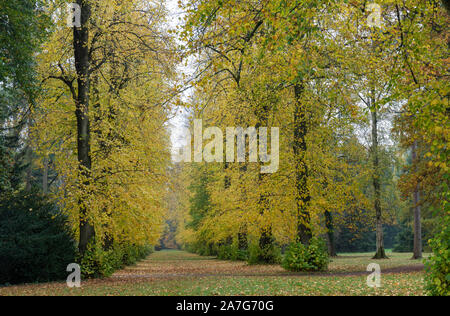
360 97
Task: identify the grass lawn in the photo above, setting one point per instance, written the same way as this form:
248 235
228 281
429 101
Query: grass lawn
181 273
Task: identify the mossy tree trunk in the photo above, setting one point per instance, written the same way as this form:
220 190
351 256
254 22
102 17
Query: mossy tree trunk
82 65
303 197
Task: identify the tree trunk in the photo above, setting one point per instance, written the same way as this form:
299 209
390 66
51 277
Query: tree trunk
82 65
417 254
45 176
242 239
29 160
304 233
29 172
330 234
266 239
380 254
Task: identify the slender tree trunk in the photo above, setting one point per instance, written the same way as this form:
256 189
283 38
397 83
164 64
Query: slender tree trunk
380 254
266 239
29 160
242 239
45 176
227 180
330 229
29 172
304 233
417 223
82 65
330 234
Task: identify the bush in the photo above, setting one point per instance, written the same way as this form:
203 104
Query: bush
203 248
231 252
225 252
132 254
240 254
438 265
270 254
36 244
314 257
99 263
94 263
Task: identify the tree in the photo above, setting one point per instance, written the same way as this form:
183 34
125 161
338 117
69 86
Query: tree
117 81
425 117
82 102
36 244
23 27
380 254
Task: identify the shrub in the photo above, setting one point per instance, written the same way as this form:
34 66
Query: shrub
99 263
270 254
132 253
239 254
93 263
225 252
36 244
438 265
231 252
314 257
203 248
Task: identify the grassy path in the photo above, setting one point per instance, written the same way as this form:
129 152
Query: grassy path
181 273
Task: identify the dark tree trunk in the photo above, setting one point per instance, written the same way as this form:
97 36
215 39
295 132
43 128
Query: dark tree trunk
242 239
29 172
45 176
227 180
266 240
29 160
82 65
266 243
446 4
380 254
304 233
417 254
330 234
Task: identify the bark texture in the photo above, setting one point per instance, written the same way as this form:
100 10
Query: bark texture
82 65
330 234
303 195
